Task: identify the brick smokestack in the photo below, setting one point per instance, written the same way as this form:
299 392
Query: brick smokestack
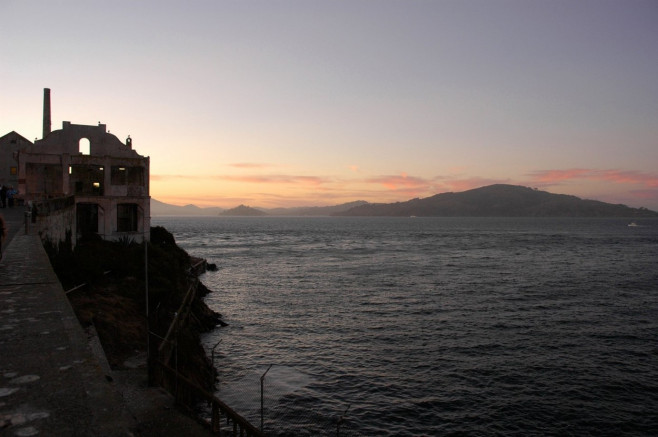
46 112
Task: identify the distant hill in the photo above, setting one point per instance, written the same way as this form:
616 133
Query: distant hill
491 201
499 201
315 210
243 211
162 209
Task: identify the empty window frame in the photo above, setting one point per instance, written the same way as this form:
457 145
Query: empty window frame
127 217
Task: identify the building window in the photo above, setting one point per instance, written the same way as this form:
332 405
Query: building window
126 217
86 180
13 171
118 175
127 175
136 176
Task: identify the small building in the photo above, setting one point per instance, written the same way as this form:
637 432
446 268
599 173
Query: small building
10 144
104 181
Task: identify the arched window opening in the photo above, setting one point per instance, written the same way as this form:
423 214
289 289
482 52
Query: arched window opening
84 146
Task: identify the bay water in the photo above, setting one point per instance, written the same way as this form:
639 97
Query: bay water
433 326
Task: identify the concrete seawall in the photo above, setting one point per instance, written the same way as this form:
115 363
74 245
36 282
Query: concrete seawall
52 382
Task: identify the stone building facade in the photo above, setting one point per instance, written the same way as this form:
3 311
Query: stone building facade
106 180
10 144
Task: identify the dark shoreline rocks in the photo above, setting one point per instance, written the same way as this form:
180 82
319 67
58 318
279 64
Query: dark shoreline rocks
107 286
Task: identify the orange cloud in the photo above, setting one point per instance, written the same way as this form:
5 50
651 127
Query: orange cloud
166 177
248 165
274 179
298 190
256 179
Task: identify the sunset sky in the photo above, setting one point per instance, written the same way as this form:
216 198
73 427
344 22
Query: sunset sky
290 103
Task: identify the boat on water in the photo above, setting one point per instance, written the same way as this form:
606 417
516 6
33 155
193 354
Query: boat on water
632 224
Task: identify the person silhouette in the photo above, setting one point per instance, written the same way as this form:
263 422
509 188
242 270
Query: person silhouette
3 233
3 195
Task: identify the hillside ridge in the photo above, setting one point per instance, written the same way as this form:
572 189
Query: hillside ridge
500 200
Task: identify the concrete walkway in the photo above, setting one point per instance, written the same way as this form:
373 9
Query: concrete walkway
51 381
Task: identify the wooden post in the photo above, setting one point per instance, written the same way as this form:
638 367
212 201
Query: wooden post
216 420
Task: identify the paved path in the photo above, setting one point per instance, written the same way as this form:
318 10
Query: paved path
14 220
51 382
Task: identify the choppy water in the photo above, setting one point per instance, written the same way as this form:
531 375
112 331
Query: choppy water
435 326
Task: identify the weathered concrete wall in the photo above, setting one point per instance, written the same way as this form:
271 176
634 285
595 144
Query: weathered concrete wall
108 227
55 219
67 140
9 145
55 175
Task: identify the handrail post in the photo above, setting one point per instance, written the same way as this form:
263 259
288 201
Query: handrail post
212 362
262 378
216 420
240 424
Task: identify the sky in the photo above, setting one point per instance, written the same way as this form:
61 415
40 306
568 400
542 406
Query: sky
309 103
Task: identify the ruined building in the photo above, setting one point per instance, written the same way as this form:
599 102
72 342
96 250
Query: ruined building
82 180
10 144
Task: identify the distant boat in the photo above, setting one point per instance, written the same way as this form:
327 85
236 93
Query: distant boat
633 224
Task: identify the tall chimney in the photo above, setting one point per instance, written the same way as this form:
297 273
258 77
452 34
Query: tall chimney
46 112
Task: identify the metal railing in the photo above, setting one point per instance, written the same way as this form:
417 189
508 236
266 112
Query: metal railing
186 389
180 317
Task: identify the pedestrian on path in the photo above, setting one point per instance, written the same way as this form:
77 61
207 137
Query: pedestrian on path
3 233
11 192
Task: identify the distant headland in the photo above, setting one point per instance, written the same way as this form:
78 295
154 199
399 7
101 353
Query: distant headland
499 200
243 211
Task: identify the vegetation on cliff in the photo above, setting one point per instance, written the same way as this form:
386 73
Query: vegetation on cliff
113 298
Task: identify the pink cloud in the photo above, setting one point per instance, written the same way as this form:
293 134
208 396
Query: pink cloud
403 185
394 182
469 183
645 194
628 177
554 176
412 186
549 177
